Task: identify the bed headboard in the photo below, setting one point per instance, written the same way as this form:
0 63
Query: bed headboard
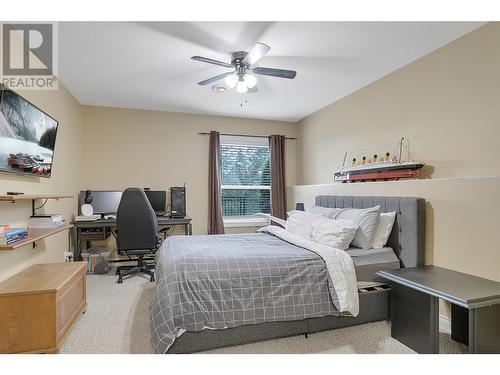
407 238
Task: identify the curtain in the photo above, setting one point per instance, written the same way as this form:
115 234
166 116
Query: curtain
215 223
278 192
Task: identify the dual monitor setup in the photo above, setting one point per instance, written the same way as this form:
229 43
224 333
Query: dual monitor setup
106 202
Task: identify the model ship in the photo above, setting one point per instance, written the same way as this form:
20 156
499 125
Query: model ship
29 163
387 167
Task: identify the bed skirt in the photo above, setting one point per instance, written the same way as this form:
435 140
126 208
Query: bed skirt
374 306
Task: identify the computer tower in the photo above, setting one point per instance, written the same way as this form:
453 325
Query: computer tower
178 201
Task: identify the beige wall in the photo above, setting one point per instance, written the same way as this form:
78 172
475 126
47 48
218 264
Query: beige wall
447 103
462 215
66 173
126 148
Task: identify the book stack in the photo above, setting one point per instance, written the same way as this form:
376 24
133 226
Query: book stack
11 235
92 260
46 221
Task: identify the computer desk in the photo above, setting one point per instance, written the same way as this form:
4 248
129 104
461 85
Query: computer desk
108 224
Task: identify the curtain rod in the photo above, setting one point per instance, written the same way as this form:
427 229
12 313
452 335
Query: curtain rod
244 135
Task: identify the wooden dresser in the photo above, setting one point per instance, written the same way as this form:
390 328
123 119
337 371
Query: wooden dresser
39 305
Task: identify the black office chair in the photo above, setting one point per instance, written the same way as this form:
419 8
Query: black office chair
137 231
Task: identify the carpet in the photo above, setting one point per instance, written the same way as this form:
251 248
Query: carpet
117 321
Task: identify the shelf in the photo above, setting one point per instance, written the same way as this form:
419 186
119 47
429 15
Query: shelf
33 236
13 198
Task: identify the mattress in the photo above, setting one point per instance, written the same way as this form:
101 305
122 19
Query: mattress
368 262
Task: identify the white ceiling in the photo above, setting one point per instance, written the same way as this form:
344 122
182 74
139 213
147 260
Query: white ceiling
147 65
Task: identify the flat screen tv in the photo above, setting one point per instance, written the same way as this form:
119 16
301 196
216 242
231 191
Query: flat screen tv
27 136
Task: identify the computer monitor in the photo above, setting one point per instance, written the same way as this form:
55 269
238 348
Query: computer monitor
103 202
158 199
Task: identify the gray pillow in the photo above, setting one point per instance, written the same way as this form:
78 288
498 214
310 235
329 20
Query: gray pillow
367 221
324 211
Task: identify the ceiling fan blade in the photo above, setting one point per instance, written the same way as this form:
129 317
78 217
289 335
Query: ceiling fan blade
281 73
211 61
215 79
256 53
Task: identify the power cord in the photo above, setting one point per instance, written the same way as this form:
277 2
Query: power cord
166 232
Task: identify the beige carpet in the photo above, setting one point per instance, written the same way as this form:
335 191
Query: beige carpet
117 321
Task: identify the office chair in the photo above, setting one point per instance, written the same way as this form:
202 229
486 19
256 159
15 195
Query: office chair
137 231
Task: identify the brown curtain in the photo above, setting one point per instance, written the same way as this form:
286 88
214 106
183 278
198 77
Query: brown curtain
278 192
215 223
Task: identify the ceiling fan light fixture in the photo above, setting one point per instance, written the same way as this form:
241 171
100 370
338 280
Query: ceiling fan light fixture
242 75
231 80
250 80
241 87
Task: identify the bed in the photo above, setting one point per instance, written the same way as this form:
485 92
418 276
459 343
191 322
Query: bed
213 291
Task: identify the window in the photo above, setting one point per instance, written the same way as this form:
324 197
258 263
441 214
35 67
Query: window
245 177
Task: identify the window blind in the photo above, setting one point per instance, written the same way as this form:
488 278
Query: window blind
245 177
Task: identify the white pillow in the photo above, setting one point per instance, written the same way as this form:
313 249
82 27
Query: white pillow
302 223
317 228
384 229
367 221
324 211
334 233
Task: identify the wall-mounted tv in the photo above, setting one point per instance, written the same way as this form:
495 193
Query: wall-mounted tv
27 136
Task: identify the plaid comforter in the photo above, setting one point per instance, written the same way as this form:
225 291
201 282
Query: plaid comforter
227 281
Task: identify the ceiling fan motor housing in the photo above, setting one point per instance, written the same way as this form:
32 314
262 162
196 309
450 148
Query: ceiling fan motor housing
237 58
237 62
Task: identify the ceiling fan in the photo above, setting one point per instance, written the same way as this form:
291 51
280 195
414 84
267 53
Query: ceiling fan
242 63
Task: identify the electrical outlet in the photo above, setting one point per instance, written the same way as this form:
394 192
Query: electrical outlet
68 256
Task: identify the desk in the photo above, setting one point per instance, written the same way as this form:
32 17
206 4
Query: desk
109 224
415 311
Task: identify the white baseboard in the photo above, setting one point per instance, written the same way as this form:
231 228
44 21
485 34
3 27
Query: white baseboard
444 324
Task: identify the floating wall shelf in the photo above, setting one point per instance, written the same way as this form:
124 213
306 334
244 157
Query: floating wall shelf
34 234
24 197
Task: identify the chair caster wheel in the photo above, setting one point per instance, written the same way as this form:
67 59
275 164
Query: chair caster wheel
120 281
152 279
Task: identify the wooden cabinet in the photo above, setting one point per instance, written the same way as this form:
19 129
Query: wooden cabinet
39 305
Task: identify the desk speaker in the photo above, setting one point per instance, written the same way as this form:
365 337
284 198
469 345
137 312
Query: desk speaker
178 201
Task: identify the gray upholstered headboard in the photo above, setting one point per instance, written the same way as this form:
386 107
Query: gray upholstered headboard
407 238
